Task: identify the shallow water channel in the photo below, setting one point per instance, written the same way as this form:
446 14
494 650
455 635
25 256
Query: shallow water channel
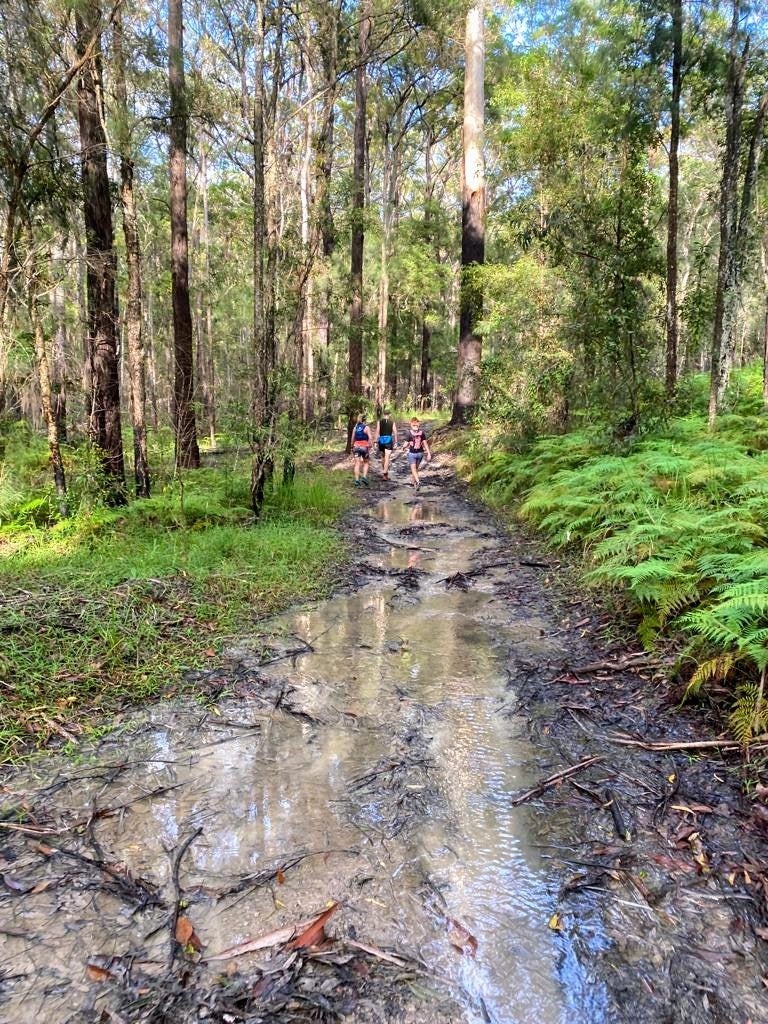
370 735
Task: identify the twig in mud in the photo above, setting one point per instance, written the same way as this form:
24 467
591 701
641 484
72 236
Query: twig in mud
579 725
108 812
759 743
529 794
588 792
629 664
622 829
178 857
134 889
293 653
671 786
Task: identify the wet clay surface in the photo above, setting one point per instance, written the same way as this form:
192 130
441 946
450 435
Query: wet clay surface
367 750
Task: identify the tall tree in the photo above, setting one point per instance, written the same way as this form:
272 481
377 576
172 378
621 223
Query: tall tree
671 315
263 350
355 379
18 142
187 451
104 412
44 375
735 210
426 330
133 311
472 218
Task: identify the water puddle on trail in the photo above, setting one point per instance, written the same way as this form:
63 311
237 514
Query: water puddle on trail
368 756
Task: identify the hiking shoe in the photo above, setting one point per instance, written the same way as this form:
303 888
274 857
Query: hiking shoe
357 483
365 481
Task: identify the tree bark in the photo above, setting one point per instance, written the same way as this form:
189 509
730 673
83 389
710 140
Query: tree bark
726 266
426 332
308 239
391 140
104 427
671 316
44 378
187 451
59 363
134 304
355 368
264 250
208 362
472 220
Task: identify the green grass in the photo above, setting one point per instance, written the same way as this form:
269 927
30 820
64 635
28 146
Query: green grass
675 521
112 605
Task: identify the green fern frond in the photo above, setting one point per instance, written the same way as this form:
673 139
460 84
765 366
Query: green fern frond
714 670
749 716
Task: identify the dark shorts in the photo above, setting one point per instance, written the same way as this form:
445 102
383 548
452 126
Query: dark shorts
362 453
414 458
386 446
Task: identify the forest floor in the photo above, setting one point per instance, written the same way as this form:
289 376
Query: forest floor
354 819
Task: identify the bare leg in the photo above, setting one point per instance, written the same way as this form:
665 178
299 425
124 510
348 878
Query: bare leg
357 469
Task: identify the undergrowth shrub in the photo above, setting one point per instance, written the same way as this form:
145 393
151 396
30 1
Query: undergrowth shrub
676 521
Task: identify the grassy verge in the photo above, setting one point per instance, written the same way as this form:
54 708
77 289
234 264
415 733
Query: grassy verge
112 605
676 521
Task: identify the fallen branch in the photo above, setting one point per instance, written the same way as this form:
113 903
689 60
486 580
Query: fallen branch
622 829
759 743
529 794
178 857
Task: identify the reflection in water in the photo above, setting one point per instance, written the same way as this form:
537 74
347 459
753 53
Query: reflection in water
388 680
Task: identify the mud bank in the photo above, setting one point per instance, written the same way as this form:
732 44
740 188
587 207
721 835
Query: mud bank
367 751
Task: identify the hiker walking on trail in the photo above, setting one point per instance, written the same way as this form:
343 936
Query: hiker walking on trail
361 450
417 446
387 441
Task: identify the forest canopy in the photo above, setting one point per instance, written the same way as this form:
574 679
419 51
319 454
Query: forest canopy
246 217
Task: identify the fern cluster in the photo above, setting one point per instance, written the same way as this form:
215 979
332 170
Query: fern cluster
678 522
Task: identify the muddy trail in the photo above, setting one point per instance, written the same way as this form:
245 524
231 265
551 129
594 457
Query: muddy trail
355 822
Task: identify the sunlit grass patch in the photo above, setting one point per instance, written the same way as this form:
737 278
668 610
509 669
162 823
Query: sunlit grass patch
116 603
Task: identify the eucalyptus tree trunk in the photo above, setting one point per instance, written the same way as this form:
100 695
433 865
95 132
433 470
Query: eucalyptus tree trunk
187 451
671 318
306 363
426 332
44 371
59 361
261 350
46 401
328 46
208 362
472 219
104 426
391 142
732 298
355 367
726 267
134 304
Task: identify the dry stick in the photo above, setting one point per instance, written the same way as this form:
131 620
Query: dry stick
177 887
758 744
622 829
553 780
